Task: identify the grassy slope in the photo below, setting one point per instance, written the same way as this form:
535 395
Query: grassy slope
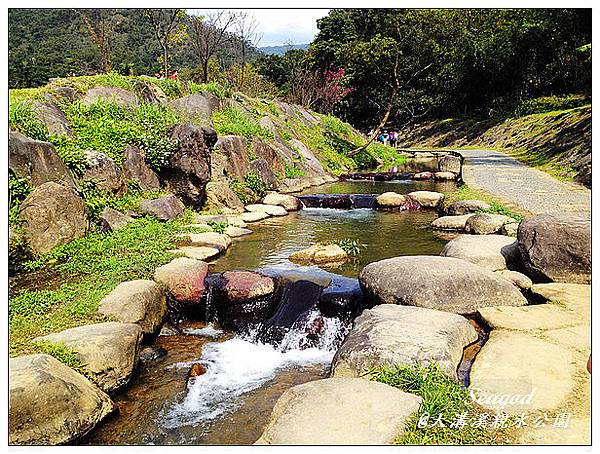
558 142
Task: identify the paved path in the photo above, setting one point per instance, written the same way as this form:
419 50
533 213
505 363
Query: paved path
526 187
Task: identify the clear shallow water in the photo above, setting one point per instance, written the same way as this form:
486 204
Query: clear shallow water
232 401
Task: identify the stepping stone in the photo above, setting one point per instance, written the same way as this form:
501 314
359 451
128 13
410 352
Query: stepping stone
494 252
467 206
512 363
204 218
197 252
427 199
209 239
289 202
451 222
109 351
339 411
183 278
391 335
486 223
236 221
575 297
253 216
236 232
272 210
539 316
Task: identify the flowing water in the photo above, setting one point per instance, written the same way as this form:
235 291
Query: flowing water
232 401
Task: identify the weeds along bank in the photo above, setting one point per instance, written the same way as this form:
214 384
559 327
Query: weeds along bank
86 152
552 134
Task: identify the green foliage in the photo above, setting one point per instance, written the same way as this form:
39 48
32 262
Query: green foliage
109 128
464 192
441 397
22 118
220 90
254 182
498 208
64 354
218 227
16 95
550 104
18 190
350 246
232 121
239 189
292 171
84 83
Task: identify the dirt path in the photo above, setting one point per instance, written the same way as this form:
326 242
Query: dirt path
526 187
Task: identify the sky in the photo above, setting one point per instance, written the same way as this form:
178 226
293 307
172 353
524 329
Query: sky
284 26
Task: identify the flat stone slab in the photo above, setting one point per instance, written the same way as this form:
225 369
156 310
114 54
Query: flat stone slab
494 252
578 337
208 239
451 222
575 297
140 301
320 254
109 350
389 335
427 199
253 216
272 210
339 411
197 252
236 221
539 316
539 373
50 403
236 232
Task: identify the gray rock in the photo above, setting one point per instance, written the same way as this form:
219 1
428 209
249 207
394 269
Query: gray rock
53 215
558 248
494 252
264 170
234 149
391 335
61 94
117 95
55 121
109 351
450 163
111 220
467 206
164 208
339 411
519 279
486 223
427 199
104 173
198 107
271 210
36 161
135 168
188 168
219 195
142 302
441 283
268 153
510 229
288 185
51 404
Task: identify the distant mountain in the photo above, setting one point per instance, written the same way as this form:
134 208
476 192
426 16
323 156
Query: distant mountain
280 50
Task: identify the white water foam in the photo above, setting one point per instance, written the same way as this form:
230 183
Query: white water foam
242 364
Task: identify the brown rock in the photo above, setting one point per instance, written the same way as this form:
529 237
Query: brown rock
164 208
104 173
219 195
264 170
111 220
135 168
235 151
196 370
183 278
246 285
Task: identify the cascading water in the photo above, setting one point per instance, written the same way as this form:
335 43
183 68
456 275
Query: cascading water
244 363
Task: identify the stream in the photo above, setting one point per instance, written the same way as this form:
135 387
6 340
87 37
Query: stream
245 375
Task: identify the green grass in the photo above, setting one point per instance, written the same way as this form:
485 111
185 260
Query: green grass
442 397
86 270
84 83
231 121
22 118
464 192
62 353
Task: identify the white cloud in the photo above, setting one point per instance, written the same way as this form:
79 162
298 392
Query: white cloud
283 26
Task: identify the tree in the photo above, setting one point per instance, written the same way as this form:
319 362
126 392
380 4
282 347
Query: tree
209 34
169 30
248 34
99 23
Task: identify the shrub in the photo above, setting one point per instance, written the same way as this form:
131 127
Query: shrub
218 227
22 118
550 104
18 190
292 171
232 121
350 246
254 182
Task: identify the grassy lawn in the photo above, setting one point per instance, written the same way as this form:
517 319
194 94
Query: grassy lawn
86 270
464 192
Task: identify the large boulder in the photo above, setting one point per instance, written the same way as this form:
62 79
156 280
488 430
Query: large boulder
486 223
141 301
234 150
494 252
427 199
390 200
188 168
51 404
109 351
390 335
265 172
320 254
557 247
183 278
104 173
451 222
441 283
244 297
467 206
55 121
136 168
519 279
53 215
164 208
118 95
111 219
265 151
198 107
219 195
339 411
289 202
450 163
36 161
